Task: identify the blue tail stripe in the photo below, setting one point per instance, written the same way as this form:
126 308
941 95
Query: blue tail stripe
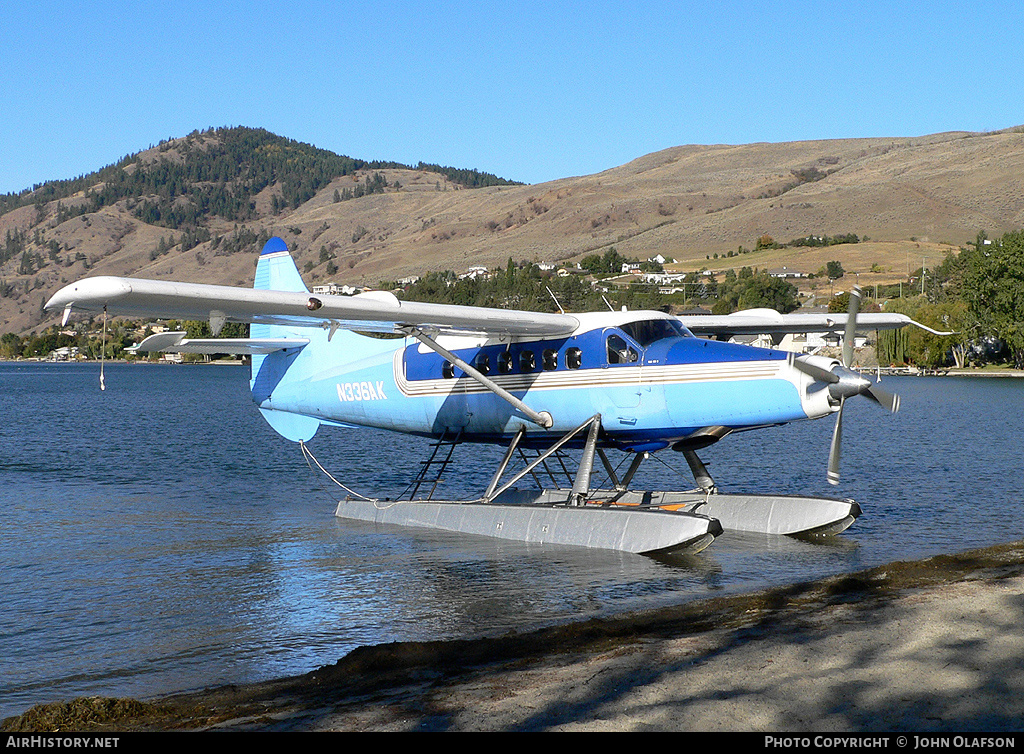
276 271
273 246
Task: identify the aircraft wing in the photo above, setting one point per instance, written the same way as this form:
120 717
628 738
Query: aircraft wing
771 322
374 311
382 311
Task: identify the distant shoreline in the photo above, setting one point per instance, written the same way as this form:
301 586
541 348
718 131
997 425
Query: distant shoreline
219 362
951 372
983 373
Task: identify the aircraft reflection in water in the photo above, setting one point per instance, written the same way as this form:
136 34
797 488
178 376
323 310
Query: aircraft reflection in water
539 383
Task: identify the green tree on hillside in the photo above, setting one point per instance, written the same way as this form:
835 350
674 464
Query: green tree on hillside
609 262
754 289
834 270
218 172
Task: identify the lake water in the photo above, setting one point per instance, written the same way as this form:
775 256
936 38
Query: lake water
160 537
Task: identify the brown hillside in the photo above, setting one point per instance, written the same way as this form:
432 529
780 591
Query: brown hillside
912 197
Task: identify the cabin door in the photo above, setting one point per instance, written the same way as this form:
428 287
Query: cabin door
624 360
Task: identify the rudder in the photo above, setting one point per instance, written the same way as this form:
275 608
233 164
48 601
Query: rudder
276 271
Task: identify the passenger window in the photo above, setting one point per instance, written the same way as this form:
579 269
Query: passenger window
505 362
573 358
527 361
619 351
550 359
448 370
483 364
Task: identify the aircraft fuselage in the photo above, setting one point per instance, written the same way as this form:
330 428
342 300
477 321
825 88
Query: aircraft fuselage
652 382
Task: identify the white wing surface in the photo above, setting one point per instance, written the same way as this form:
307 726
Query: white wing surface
383 312
771 322
378 310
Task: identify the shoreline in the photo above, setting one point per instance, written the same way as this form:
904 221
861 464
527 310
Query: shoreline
984 373
132 362
929 645
947 372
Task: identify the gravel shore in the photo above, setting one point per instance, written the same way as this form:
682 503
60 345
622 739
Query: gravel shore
934 646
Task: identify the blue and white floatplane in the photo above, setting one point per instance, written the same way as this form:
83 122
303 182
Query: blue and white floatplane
639 382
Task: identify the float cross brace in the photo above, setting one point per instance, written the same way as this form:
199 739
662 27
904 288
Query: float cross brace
581 485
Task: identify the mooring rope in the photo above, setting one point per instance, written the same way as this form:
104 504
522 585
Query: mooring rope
103 350
308 454
377 502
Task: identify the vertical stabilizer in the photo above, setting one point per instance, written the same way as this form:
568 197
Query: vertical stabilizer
276 271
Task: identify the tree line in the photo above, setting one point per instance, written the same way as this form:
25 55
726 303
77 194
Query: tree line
978 295
88 338
526 286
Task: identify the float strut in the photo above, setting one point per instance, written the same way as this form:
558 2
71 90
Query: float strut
581 486
700 472
489 494
595 425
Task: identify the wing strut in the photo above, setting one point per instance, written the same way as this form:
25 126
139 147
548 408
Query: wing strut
542 418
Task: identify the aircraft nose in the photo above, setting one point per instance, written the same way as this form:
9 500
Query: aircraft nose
850 383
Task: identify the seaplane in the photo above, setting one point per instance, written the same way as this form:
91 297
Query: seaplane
537 384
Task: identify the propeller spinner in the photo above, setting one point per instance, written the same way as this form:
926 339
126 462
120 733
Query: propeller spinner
843 382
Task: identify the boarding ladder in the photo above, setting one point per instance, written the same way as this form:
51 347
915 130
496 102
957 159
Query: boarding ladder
432 469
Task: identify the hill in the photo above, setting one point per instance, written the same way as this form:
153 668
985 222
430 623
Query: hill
198 208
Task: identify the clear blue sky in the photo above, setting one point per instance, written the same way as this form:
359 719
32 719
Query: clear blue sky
529 91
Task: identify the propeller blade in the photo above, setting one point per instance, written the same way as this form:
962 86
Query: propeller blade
833 452
884 398
820 374
851 326
845 382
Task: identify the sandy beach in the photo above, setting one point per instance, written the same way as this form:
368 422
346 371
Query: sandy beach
934 646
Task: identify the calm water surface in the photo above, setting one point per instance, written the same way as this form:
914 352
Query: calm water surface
159 536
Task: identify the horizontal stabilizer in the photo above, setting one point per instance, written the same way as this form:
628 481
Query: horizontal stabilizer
176 342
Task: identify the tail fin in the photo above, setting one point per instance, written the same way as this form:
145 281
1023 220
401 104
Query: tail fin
276 271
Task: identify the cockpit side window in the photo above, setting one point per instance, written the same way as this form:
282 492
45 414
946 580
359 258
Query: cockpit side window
646 331
619 351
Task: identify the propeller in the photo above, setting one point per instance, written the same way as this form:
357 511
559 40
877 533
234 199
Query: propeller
843 382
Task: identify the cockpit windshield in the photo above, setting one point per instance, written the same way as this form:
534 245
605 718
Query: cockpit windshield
647 331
